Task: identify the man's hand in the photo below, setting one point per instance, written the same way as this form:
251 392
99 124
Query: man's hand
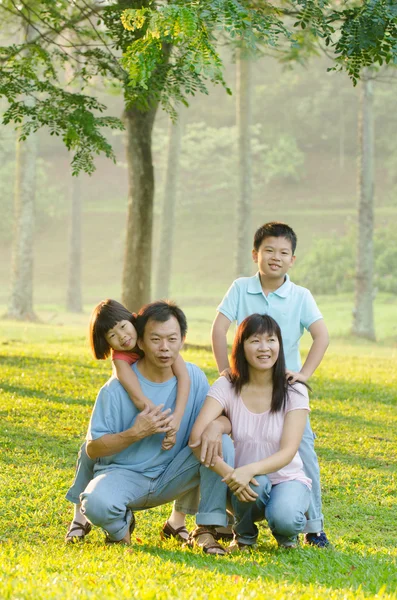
152 420
211 444
227 373
238 482
293 377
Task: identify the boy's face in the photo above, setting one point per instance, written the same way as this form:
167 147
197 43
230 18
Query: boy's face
274 257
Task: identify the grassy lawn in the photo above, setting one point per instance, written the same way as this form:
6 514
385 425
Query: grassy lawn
47 388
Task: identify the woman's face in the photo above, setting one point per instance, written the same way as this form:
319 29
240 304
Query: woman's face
261 350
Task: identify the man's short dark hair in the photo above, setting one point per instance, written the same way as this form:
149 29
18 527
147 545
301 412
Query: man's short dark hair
275 229
160 311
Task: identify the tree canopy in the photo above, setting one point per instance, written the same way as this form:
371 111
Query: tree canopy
159 51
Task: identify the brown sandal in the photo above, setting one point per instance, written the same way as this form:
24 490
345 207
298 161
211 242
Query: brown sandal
168 532
207 541
76 526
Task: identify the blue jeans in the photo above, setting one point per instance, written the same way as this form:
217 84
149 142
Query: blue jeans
111 496
282 505
315 517
186 503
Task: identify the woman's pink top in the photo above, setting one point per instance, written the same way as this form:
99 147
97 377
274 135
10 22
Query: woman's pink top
258 436
130 357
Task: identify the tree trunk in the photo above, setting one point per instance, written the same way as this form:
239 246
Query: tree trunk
164 261
138 248
243 118
21 300
363 323
74 297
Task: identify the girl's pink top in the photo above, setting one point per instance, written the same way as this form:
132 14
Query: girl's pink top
130 357
258 436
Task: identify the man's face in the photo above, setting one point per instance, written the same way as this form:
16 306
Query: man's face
274 257
161 342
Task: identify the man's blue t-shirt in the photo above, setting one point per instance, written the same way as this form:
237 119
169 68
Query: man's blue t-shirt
292 306
114 412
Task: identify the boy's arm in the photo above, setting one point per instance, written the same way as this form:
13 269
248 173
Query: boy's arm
130 383
181 373
319 332
219 331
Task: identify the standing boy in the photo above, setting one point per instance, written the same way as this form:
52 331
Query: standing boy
271 292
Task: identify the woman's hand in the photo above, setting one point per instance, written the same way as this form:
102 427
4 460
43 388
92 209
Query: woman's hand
239 480
211 444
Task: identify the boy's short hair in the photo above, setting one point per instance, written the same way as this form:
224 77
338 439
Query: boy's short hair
160 311
104 317
275 229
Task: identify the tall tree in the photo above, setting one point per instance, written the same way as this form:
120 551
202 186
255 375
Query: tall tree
74 298
244 91
21 298
363 322
165 250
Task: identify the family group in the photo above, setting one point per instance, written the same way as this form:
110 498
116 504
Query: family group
233 454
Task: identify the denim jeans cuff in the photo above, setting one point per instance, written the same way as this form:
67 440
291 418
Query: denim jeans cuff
217 519
72 497
314 525
186 510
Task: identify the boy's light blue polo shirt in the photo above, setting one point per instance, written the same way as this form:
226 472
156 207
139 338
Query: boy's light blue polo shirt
114 412
292 306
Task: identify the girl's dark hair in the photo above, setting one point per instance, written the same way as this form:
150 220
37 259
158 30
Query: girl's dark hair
105 316
239 365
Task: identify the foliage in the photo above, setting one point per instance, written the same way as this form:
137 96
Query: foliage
368 35
44 420
329 267
161 52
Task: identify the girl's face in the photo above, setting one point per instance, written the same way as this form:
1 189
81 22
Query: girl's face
261 350
122 337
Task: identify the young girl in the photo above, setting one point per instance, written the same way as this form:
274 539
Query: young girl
112 332
268 417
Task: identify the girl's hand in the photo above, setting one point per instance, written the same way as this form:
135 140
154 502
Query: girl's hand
170 437
169 441
240 478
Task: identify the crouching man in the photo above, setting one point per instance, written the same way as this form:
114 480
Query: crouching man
132 472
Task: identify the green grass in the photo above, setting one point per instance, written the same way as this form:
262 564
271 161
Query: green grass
47 389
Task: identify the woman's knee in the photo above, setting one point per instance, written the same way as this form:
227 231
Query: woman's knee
286 520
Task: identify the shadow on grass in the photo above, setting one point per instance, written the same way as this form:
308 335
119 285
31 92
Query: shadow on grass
23 391
22 445
344 390
355 422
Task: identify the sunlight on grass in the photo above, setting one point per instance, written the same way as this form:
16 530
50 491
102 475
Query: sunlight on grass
47 389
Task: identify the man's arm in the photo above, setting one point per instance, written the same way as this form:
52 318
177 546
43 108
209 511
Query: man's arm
148 422
220 327
319 332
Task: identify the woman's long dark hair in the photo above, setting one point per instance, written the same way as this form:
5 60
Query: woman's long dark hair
258 324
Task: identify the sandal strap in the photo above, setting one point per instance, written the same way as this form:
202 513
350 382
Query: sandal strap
169 530
208 542
76 526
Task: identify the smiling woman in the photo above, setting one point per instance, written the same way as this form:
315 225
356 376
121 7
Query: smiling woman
268 417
